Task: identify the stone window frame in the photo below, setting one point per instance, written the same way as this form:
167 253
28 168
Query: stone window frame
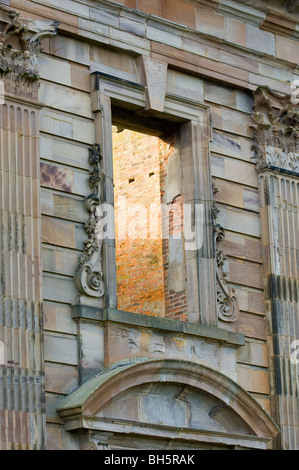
193 118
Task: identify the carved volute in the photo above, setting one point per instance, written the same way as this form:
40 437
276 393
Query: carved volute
227 303
89 276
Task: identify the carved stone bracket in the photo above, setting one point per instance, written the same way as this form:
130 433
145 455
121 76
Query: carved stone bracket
227 303
276 131
89 277
19 45
93 444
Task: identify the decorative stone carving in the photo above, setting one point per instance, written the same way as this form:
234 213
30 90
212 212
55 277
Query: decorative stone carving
227 303
19 45
89 277
93 444
276 131
291 6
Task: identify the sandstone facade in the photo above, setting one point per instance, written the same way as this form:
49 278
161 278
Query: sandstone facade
193 339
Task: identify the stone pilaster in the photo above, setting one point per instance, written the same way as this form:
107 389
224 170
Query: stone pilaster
276 135
22 401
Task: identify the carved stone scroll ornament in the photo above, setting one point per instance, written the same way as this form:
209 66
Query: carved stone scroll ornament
227 303
93 444
276 131
89 277
19 46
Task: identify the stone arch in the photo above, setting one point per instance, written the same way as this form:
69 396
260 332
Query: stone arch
176 399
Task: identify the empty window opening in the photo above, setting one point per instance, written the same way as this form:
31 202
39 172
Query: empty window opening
150 270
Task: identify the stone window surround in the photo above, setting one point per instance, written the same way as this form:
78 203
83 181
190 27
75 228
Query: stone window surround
193 118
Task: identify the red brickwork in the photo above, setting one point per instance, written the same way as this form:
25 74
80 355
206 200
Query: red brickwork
140 168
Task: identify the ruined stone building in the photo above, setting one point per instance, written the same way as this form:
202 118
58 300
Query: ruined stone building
149 227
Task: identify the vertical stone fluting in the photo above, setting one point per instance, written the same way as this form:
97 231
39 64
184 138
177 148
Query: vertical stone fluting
22 407
277 154
21 298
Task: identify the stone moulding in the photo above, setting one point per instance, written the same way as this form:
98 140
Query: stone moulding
275 131
82 408
19 45
227 303
89 277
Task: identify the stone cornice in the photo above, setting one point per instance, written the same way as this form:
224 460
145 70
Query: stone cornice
81 313
116 28
278 23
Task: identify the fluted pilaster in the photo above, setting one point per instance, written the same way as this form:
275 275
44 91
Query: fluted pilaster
276 133
22 413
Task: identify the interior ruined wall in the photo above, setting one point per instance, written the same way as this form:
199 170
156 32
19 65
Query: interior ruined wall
139 262
146 217
67 131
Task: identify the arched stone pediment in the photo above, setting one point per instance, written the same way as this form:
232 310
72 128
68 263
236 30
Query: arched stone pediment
169 399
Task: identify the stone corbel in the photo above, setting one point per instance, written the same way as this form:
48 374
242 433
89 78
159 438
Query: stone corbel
227 303
19 45
275 131
93 444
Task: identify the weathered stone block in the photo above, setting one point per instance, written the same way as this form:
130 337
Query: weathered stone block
80 77
219 94
58 178
58 233
92 359
245 273
73 154
254 353
65 99
59 289
240 221
70 49
58 317
160 34
234 170
181 84
260 40
210 23
176 280
61 349
287 49
235 31
54 69
179 12
53 437
151 7
254 380
56 124
60 379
